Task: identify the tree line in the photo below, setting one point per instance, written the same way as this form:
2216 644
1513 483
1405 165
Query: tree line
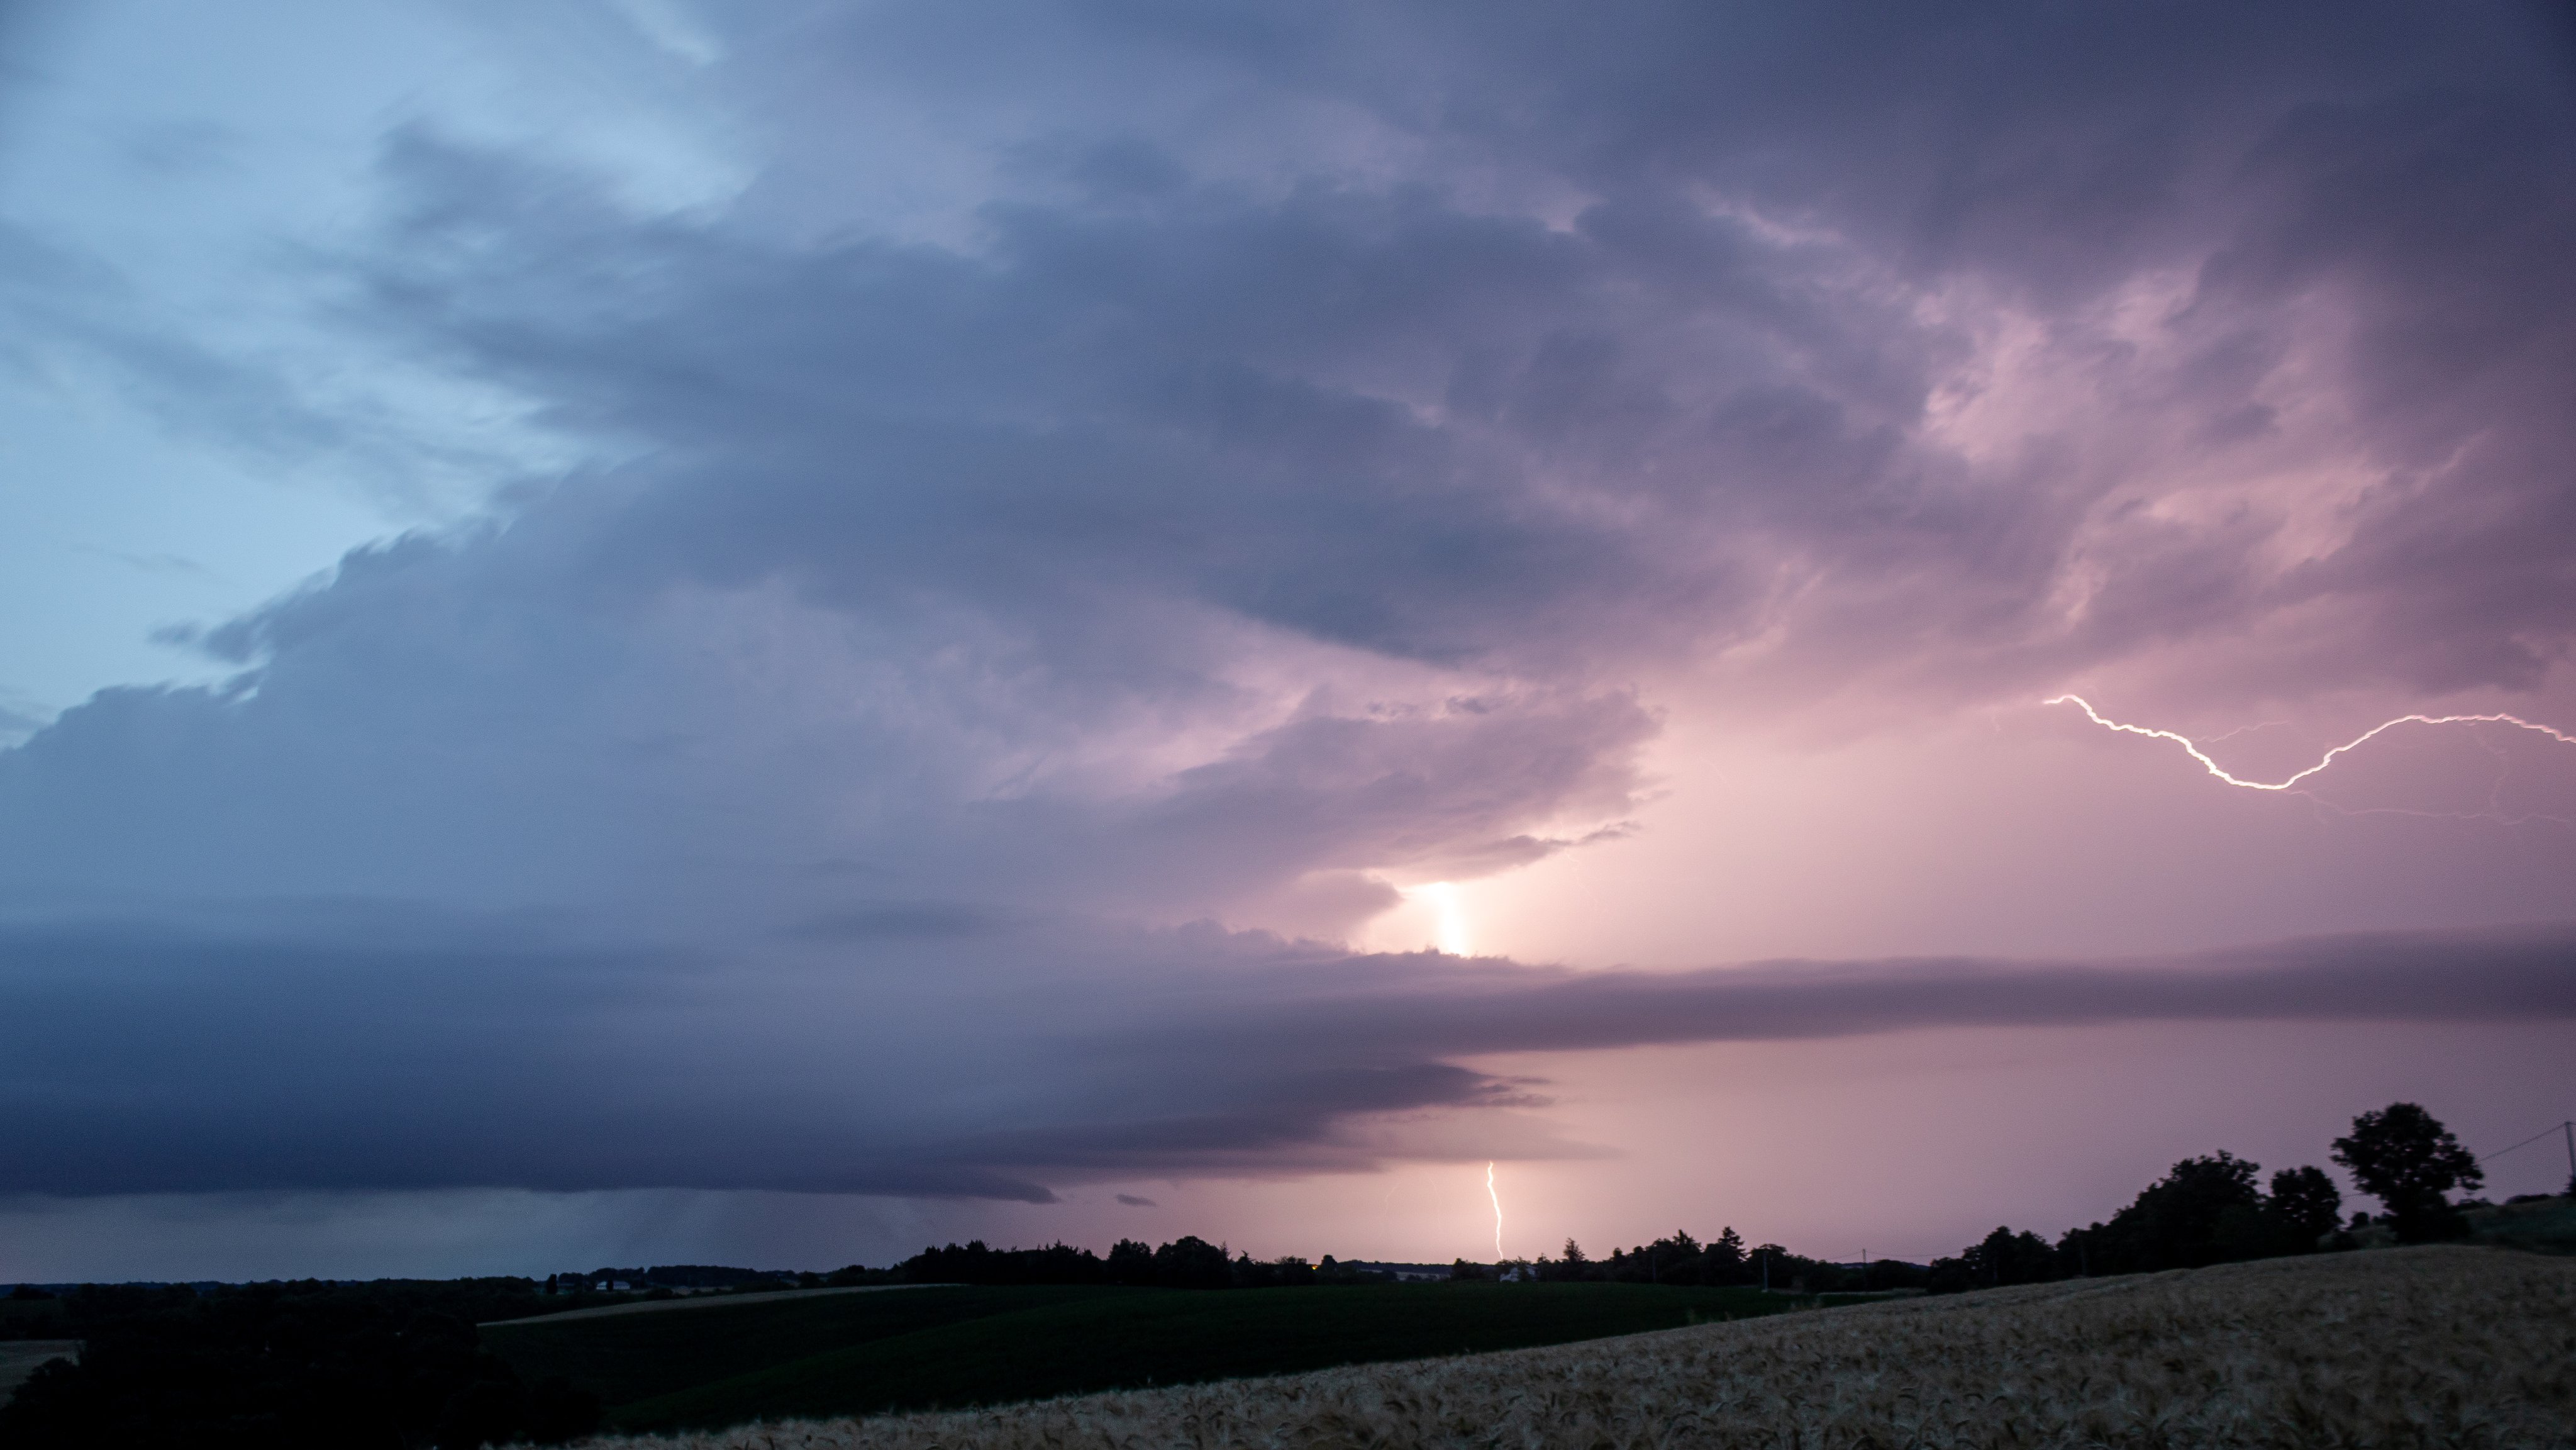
2216 1209
1681 1259
1188 1262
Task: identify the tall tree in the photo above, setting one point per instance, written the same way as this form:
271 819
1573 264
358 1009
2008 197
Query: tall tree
1726 1257
2404 1157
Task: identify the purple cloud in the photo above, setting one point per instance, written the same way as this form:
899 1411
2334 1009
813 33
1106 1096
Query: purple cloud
1261 463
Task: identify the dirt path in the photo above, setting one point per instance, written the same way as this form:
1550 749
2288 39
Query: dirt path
709 1301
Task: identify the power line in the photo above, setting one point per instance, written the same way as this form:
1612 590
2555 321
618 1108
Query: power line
2527 1142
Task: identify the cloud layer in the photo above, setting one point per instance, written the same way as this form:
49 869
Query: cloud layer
957 1059
1118 467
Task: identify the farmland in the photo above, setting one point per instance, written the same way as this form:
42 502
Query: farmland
861 1353
2423 1346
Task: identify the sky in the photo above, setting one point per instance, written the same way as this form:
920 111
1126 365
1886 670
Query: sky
635 631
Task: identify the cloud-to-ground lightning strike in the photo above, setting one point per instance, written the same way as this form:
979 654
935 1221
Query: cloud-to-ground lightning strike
2214 768
1498 1211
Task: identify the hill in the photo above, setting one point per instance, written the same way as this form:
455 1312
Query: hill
2425 1346
817 1356
2543 1225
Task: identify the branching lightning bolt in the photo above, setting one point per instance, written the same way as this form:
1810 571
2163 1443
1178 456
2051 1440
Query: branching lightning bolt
1498 1211
2214 768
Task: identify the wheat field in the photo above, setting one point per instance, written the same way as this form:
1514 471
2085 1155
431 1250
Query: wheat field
2443 1346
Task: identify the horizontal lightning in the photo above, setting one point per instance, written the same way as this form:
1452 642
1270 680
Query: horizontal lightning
2214 768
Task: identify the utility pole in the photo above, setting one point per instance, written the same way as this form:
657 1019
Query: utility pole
2570 1127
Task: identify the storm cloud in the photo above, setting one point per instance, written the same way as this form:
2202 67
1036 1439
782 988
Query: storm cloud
1124 491
1003 1064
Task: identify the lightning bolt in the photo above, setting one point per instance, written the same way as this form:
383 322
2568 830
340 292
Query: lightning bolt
1498 1211
2214 768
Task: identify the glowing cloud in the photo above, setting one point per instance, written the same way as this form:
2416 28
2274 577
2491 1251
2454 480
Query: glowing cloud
1454 937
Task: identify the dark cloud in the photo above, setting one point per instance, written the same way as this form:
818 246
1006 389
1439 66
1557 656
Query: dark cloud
1281 461
317 1054
17 722
2433 218
894 919
1402 418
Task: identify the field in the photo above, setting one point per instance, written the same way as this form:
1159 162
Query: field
724 1364
2445 1346
19 1358
2547 1225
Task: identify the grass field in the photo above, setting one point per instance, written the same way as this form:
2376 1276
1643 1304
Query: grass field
2445 1346
865 1353
2546 1225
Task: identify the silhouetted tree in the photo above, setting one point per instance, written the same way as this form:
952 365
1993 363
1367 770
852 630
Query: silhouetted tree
2304 1207
2002 1257
1725 1258
1131 1263
2204 1211
1575 1266
978 1264
1191 1262
1775 1266
1285 1272
2404 1157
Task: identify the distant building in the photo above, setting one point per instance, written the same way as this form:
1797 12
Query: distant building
1404 1273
